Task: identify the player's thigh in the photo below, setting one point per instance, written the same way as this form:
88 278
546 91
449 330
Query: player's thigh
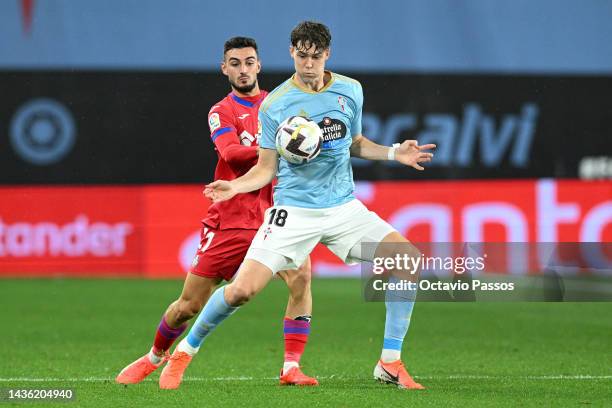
252 277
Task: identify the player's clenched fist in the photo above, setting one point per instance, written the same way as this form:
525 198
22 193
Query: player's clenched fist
411 154
220 190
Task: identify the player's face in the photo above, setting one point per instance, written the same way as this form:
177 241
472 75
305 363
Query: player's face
309 62
241 67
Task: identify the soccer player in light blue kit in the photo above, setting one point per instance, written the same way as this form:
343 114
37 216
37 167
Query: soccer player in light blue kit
314 202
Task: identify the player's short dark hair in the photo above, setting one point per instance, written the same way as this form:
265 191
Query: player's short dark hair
239 42
309 33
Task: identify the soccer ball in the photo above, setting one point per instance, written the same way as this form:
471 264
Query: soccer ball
298 139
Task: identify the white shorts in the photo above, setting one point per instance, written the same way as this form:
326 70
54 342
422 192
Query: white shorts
289 234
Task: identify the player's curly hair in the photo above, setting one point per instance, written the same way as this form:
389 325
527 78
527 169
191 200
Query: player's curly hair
309 33
239 42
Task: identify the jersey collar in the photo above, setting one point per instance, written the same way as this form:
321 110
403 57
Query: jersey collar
248 101
332 77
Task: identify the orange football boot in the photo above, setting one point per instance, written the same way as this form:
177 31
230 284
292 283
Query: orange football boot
395 373
295 376
172 374
139 370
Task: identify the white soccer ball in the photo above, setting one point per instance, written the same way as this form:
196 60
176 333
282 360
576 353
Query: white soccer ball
298 139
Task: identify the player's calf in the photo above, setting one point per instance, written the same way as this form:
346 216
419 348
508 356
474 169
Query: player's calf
196 292
299 283
238 295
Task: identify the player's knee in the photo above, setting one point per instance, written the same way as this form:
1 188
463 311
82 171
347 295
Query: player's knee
402 248
188 309
405 250
239 294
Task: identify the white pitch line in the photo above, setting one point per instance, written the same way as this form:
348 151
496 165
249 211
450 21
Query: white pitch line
526 377
425 377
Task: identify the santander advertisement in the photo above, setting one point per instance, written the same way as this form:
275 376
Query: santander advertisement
153 231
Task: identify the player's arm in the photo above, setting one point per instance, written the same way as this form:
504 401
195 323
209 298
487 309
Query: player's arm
239 157
260 175
226 140
408 152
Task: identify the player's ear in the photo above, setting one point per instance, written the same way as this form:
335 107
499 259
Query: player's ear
258 66
223 68
327 53
291 50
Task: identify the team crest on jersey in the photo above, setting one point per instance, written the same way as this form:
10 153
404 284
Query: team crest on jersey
333 129
267 232
214 122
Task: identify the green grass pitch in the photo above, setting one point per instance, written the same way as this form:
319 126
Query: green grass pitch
80 333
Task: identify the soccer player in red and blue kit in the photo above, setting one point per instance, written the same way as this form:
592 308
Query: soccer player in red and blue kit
227 232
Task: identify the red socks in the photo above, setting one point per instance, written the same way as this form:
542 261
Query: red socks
165 336
296 336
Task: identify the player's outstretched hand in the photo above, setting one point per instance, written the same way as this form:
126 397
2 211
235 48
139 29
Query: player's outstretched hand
219 190
411 154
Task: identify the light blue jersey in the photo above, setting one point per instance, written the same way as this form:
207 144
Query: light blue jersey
326 181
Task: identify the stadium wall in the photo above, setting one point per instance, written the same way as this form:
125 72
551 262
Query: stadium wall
153 230
66 127
104 145
476 36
